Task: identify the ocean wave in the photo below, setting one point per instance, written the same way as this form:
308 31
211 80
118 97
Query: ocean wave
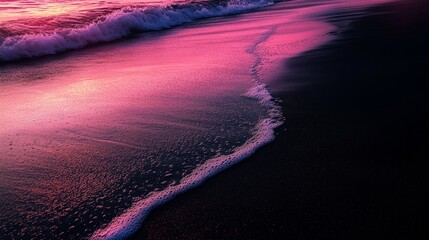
116 25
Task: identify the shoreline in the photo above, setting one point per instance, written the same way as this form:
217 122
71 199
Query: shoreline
323 177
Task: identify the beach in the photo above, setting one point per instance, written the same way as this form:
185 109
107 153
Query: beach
246 119
350 162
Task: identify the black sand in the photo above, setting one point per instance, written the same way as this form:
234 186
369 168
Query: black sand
353 162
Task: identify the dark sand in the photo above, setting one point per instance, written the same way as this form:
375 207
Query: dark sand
353 163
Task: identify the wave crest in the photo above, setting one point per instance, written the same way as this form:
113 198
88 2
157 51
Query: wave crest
116 25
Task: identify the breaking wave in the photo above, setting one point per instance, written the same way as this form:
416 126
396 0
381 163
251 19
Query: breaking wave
118 24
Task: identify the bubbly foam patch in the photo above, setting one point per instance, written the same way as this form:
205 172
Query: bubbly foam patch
116 25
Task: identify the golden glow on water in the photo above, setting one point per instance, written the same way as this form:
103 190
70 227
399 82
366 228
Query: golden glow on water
17 10
22 9
55 8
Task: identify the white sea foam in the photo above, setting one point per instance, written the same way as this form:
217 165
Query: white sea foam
116 25
126 224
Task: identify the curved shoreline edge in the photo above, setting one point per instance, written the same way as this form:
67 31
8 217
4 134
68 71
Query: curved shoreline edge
127 224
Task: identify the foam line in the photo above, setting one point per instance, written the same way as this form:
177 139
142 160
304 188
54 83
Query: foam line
127 224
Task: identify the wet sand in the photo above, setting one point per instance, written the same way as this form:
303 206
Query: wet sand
351 160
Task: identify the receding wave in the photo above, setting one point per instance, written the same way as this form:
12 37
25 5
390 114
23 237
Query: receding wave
126 224
116 25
